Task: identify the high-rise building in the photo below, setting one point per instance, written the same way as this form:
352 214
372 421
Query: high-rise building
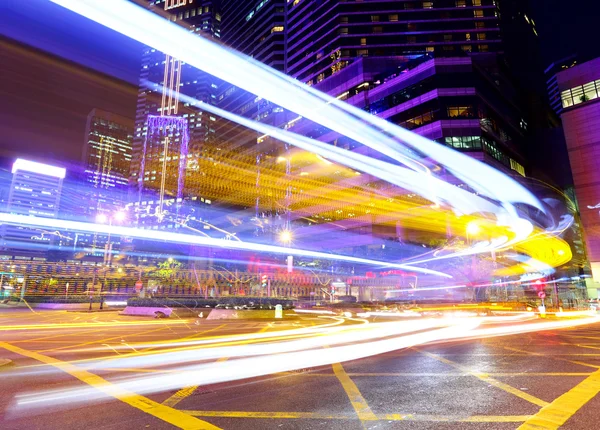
107 160
35 190
579 89
168 134
257 29
326 36
439 68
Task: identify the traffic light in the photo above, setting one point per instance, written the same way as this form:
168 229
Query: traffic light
263 281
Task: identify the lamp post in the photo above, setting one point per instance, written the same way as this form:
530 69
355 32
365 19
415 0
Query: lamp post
102 218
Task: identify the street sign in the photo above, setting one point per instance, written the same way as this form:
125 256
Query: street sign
542 295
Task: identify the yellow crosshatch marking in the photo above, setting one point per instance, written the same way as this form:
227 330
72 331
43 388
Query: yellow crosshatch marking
564 407
165 413
387 417
358 401
184 392
486 378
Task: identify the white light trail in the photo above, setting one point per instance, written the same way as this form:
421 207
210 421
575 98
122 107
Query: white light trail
197 240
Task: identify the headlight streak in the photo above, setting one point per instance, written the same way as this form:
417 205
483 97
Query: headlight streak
463 201
340 117
243 368
198 240
290 358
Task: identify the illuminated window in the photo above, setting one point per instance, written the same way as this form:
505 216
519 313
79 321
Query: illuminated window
464 142
363 41
480 36
427 5
476 2
393 18
580 94
461 3
468 36
377 29
460 112
514 165
374 18
467 48
277 28
430 49
484 48
478 13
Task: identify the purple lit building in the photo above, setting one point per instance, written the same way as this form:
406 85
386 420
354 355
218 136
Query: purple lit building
161 76
579 89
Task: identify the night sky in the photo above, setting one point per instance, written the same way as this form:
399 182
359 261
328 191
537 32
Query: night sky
63 66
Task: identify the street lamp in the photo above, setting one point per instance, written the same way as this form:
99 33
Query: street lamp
285 236
473 228
103 218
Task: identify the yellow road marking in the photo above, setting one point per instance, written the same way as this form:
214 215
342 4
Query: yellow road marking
486 378
430 375
85 325
120 336
169 415
552 357
473 374
577 345
45 338
388 417
270 415
359 403
564 407
185 392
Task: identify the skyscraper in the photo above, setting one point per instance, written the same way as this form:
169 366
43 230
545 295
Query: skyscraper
35 190
107 160
161 147
326 36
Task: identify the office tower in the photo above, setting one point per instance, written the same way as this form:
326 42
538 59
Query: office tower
161 147
579 88
256 28
107 160
324 37
35 190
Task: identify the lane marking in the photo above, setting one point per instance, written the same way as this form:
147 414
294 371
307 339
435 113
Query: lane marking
186 391
564 407
120 336
43 339
169 415
86 325
429 375
388 417
359 403
552 357
486 378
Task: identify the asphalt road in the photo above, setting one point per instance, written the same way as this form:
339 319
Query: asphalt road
536 380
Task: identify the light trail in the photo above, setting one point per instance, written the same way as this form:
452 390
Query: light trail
380 135
346 343
198 240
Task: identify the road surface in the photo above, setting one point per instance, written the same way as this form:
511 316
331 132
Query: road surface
541 379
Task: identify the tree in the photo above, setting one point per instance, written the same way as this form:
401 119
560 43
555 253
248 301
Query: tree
166 269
